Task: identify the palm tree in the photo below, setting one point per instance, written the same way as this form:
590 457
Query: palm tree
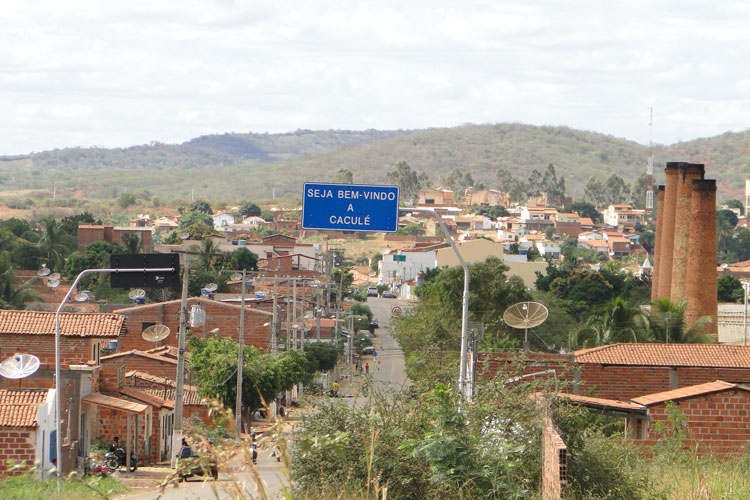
51 243
208 248
132 243
667 324
10 296
617 321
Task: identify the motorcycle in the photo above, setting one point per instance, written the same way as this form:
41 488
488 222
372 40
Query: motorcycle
94 469
116 459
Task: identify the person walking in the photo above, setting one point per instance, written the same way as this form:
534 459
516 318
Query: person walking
335 389
367 368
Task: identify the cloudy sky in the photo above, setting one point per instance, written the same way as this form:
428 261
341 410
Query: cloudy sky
111 74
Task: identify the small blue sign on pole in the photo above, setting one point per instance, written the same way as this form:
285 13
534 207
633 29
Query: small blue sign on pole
350 207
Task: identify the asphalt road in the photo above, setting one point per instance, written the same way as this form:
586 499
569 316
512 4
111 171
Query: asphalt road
389 371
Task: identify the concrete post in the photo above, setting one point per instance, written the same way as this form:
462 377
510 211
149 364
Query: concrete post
701 263
657 242
687 172
666 244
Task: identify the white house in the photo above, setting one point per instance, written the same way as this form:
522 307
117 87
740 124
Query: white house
222 221
405 266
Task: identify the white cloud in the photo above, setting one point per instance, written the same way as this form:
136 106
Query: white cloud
116 74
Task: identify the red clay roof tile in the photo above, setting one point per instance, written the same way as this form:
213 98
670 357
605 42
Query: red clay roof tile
71 324
718 355
19 407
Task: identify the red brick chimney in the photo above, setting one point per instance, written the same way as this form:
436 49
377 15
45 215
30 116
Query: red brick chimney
666 241
701 262
657 242
687 172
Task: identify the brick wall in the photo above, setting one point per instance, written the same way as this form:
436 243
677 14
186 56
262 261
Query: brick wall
717 423
218 315
622 382
554 462
166 368
17 444
73 350
110 423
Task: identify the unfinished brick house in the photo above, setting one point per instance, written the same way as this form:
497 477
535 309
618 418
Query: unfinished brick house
25 426
717 417
626 371
219 315
81 339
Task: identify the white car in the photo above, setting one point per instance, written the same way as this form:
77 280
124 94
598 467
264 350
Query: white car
372 291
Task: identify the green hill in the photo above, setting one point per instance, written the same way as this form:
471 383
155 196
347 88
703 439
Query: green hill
252 166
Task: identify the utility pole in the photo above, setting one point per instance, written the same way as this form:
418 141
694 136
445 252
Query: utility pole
179 389
240 359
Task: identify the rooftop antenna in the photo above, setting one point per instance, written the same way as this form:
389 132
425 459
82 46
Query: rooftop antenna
211 287
650 164
43 271
53 282
236 276
81 296
19 366
525 315
155 333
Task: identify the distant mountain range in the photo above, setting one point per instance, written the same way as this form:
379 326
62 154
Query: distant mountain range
237 166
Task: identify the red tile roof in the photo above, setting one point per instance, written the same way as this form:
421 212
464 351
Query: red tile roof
71 324
689 392
19 407
715 355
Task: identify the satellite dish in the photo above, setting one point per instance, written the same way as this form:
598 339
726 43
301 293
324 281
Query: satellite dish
44 271
53 283
155 333
236 276
81 297
184 236
525 315
19 366
136 293
211 287
55 276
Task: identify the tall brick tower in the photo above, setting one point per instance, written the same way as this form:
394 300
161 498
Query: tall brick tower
683 218
666 239
657 241
701 262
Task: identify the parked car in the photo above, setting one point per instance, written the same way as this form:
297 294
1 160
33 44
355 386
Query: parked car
191 464
372 291
369 350
389 295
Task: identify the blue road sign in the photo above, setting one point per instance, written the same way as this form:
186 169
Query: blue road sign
350 207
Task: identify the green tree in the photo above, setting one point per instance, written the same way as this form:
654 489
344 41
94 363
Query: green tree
213 364
126 200
584 209
730 289
735 204
638 191
616 321
668 324
132 243
554 187
321 356
374 261
361 310
250 209
52 243
411 229
11 296
200 206
195 217
595 192
242 258
405 178
616 190
344 176
267 215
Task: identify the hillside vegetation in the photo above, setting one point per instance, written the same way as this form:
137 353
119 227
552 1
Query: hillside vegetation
242 166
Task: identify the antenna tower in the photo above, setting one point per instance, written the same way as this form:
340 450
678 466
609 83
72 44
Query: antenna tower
650 164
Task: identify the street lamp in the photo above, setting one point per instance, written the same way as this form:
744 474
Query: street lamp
746 289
